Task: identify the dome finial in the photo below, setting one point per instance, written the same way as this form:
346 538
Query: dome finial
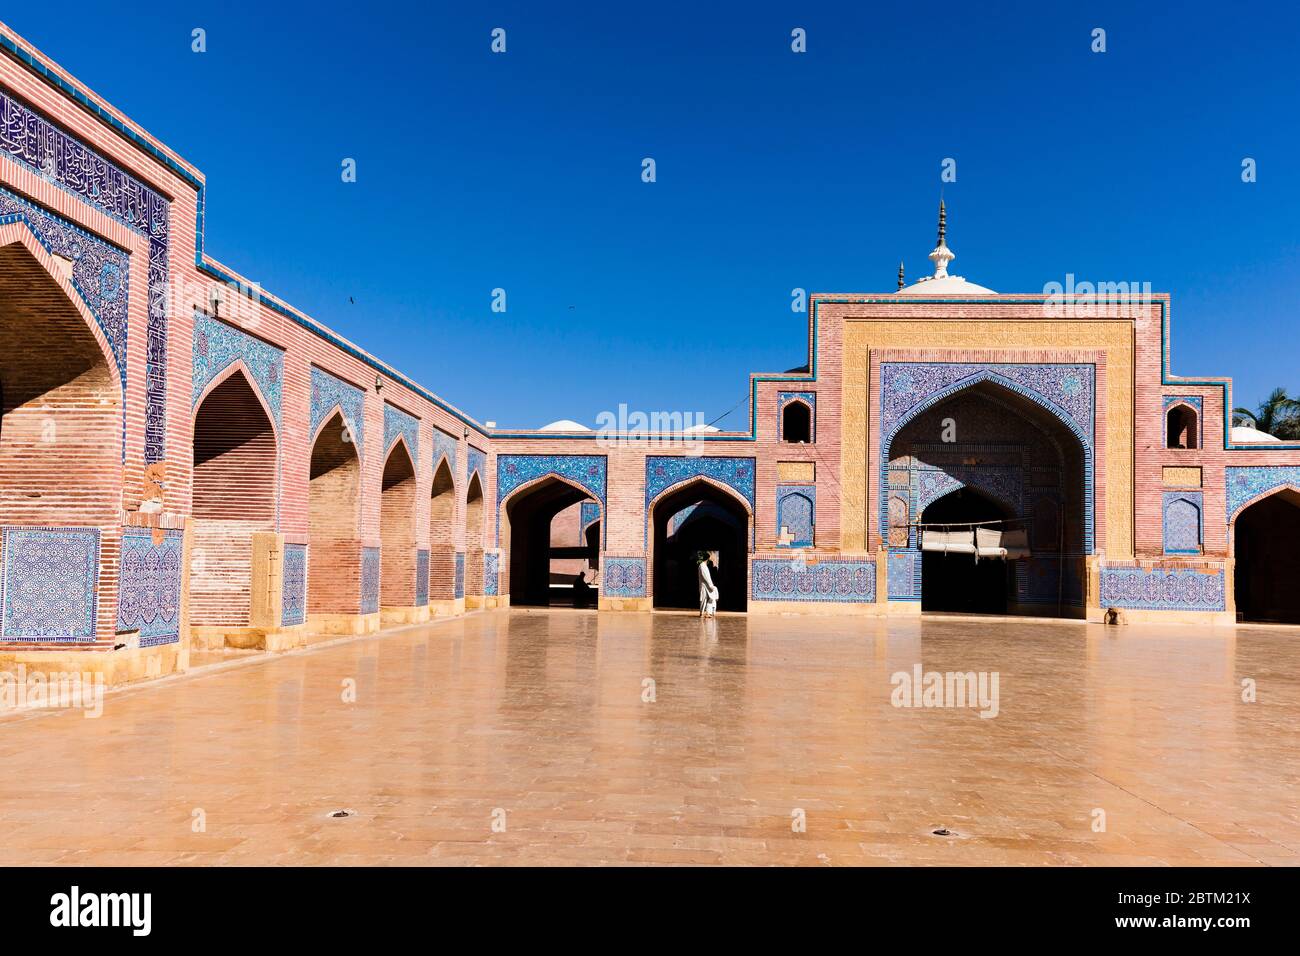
901 281
942 255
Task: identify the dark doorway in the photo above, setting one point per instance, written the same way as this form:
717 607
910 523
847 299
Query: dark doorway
957 582
527 532
1268 565
700 517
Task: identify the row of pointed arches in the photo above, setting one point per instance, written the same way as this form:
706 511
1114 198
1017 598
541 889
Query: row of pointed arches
236 495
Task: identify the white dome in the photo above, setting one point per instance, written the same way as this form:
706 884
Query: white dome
947 285
702 428
564 425
1244 433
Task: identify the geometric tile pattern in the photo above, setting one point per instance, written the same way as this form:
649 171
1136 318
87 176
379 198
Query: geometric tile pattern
458 580
785 398
664 471
294 591
1178 589
1067 391
398 422
490 564
444 446
903 574
369 580
421 578
586 471
329 394
29 139
1003 484
1182 522
149 599
1063 389
99 271
841 580
1247 482
590 513
50 580
623 577
476 461
795 506
217 346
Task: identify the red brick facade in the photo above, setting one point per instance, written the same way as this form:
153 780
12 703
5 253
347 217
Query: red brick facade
246 453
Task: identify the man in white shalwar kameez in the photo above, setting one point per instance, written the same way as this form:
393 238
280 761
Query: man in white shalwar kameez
708 592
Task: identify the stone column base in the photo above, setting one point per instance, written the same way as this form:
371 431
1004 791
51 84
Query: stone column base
399 616
216 638
117 666
343 624
902 608
624 603
447 608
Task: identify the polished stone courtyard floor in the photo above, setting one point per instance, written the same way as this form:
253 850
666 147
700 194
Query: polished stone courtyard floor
564 737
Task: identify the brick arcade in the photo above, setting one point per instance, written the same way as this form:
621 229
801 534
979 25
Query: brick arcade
188 462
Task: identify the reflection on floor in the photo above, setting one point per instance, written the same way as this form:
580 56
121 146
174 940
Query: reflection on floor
557 737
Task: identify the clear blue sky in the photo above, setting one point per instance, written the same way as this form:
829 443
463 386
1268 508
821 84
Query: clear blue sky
775 170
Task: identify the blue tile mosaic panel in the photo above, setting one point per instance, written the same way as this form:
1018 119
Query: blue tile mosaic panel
664 471
491 564
217 346
458 579
293 592
1182 522
444 446
100 272
903 575
330 394
1245 483
50 582
1065 390
1159 589
421 578
623 577
1003 484
149 592
838 580
795 511
476 461
369 580
590 513
398 422
586 471
908 387
30 140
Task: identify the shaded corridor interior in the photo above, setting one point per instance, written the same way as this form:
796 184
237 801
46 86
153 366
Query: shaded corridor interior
700 517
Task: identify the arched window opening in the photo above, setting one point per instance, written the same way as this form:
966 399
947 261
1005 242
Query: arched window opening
796 423
1180 427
